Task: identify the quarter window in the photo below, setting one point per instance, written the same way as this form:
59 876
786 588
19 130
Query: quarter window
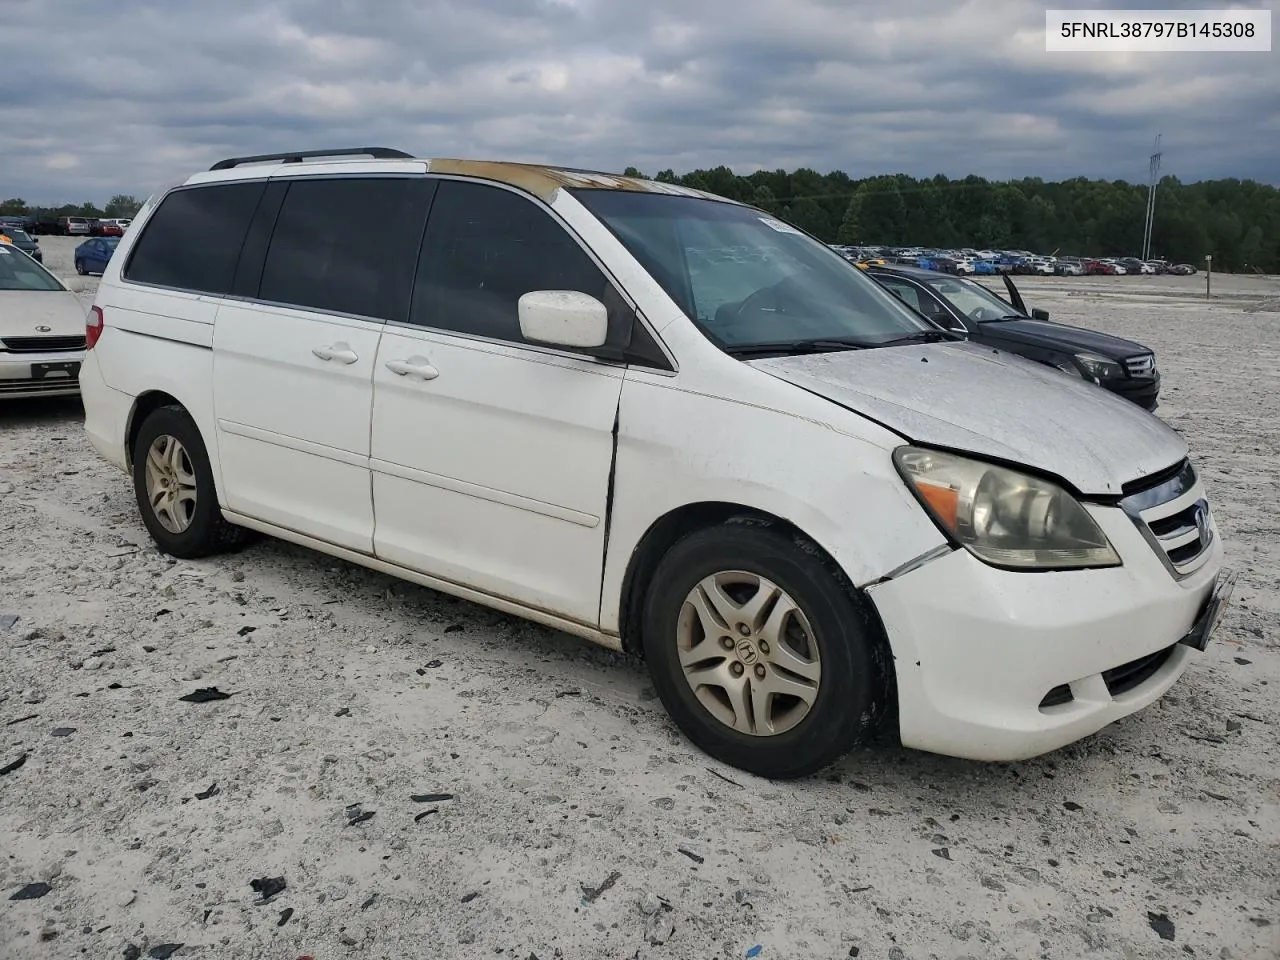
346 245
485 247
193 240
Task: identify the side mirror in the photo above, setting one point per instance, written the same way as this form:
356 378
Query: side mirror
565 318
76 285
1038 314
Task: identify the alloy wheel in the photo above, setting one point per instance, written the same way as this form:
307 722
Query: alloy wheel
748 653
171 483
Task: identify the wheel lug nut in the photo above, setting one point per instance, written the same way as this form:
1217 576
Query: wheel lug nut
764 647
736 669
760 670
726 642
744 629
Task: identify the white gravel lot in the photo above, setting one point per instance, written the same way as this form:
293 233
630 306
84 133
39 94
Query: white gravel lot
579 824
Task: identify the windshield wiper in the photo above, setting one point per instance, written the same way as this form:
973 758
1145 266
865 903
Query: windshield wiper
921 336
794 347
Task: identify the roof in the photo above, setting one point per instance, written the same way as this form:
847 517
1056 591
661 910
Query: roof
541 180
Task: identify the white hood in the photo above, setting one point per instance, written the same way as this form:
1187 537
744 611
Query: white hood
24 312
966 397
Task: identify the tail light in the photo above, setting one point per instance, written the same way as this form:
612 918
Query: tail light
93 325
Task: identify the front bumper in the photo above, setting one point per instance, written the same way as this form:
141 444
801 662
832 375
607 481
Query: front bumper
982 656
51 374
1144 391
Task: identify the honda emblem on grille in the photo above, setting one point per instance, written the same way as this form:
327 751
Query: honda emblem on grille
43 329
1202 521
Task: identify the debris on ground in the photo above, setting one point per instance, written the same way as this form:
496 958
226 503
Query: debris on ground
32 891
267 888
591 894
1161 924
205 695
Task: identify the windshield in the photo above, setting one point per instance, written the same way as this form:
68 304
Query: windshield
20 236
109 242
747 279
20 272
972 299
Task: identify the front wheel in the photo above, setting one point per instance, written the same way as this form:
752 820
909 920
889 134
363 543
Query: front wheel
80 268
762 652
173 483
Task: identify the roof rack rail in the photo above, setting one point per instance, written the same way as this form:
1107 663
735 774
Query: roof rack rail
378 153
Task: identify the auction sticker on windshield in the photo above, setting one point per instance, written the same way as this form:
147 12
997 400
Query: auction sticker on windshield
777 225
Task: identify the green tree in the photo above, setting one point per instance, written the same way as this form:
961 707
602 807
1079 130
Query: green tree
123 205
851 225
13 207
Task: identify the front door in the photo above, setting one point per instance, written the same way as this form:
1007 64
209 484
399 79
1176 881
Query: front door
491 455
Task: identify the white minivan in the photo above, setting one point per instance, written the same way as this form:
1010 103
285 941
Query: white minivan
664 421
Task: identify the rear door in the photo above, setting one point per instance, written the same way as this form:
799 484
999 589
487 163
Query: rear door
491 455
294 359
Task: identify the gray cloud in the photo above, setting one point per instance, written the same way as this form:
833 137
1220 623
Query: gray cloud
128 97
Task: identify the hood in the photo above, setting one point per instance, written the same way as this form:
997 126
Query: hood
967 397
23 311
1070 339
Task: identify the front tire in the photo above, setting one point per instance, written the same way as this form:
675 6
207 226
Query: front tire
80 269
762 652
173 483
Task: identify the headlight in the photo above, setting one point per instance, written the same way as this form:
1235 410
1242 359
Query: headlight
1003 517
1099 368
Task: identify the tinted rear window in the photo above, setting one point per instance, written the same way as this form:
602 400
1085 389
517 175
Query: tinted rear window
193 240
347 245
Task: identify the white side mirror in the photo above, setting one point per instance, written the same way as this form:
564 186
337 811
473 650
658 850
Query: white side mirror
76 285
565 318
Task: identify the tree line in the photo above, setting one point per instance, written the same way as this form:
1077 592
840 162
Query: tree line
1236 221
119 207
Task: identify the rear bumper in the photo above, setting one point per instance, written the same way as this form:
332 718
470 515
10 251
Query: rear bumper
21 376
982 656
106 414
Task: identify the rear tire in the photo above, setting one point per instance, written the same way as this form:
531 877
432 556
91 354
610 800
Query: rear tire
779 689
173 483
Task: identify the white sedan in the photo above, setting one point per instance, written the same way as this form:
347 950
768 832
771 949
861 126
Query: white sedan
42 331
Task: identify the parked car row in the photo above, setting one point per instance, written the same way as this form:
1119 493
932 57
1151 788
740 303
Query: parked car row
669 423
968 262
71 226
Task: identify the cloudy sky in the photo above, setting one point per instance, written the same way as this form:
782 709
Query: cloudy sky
107 96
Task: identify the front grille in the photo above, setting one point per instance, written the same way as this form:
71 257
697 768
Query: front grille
1135 673
1143 366
1175 519
42 344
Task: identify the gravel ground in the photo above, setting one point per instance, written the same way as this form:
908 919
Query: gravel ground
577 822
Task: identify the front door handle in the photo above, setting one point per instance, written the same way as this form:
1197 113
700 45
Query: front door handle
415 366
340 351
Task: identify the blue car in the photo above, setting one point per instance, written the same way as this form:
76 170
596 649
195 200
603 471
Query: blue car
92 255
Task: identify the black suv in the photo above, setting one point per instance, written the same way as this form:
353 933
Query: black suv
966 306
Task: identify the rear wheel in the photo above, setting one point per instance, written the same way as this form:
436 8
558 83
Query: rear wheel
173 483
762 652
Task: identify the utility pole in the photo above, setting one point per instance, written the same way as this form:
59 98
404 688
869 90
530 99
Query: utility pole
1154 169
